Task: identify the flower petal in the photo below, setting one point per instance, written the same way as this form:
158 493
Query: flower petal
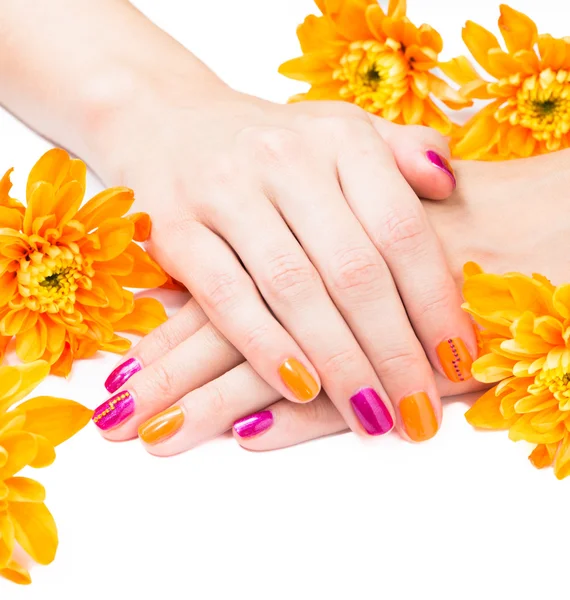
52 168
522 429
491 368
312 67
486 414
30 376
479 41
142 226
146 316
397 9
562 462
35 530
349 18
114 236
444 92
23 489
146 272
7 540
540 457
56 419
112 203
518 30
31 344
316 32
21 448
16 573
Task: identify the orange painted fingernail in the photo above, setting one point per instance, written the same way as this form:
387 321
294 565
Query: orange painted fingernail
298 380
418 417
455 359
162 426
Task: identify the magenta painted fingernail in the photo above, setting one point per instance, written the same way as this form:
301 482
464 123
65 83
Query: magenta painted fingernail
254 424
372 412
114 411
122 374
441 163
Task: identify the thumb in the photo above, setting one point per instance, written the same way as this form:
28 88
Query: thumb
422 155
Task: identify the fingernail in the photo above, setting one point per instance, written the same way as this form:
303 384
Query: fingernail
441 163
122 374
162 426
298 380
455 359
114 411
418 417
372 412
254 424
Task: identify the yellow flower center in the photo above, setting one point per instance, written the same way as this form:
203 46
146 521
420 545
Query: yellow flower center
542 104
375 74
48 280
557 381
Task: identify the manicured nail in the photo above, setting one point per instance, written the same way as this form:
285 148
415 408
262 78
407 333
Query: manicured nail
162 426
254 424
441 163
418 417
455 359
372 412
298 380
114 411
122 374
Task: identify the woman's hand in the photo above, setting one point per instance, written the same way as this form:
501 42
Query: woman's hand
292 226
297 233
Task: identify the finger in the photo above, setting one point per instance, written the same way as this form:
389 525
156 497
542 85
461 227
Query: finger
194 362
401 231
295 293
207 412
284 424
360 284
422 156
232 302
187 321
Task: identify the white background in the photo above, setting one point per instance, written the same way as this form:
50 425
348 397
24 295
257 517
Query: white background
462 516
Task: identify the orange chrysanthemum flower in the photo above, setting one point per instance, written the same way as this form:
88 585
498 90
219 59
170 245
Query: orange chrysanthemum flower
63 267
29 432
530 112
381 62
525 352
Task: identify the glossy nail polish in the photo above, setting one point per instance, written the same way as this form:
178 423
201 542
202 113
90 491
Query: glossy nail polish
122 374
162 426
418 417
372 412
114 411
298 380
254 424
455 359
442 164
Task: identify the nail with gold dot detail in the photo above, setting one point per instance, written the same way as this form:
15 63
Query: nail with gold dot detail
114 411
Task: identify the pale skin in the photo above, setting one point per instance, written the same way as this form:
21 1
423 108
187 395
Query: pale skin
505 216
317 246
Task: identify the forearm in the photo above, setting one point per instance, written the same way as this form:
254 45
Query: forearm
67 65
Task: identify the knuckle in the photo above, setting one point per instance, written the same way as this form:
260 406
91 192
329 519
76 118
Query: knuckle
436 300
341 362
159 382
223 171
255 340
402 232
217 404
397 362
221 292
291 275
276 145
357 270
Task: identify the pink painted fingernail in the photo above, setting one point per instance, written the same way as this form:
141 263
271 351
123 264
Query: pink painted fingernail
254 424
114 411
122 374
372 412
441 163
